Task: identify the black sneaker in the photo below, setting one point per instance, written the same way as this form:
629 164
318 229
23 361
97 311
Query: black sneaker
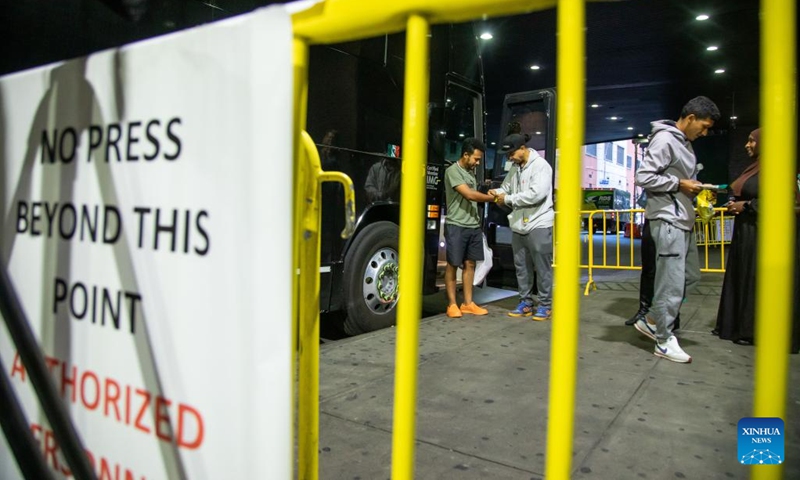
640 315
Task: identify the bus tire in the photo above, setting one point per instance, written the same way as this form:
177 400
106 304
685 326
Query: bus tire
369 280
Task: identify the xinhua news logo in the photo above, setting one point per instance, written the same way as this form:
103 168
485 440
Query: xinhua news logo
760 441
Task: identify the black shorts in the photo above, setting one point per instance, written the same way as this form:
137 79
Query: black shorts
463 244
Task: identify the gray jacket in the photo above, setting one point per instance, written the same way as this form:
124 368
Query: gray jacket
529 192
669 159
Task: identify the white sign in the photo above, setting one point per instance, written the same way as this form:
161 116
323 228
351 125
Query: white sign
146 226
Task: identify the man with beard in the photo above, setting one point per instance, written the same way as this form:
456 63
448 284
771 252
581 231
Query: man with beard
462 227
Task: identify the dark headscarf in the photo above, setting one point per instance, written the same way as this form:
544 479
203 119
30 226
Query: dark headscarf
752 169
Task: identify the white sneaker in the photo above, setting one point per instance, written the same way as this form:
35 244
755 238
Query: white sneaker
646 328
672 351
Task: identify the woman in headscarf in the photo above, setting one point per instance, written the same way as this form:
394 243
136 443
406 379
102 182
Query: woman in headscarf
736 314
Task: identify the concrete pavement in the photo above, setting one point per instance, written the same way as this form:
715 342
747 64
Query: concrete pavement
483 394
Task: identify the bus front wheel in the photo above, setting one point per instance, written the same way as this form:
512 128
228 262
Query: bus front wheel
370 279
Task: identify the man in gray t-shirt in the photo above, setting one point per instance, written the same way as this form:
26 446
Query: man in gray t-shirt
462 226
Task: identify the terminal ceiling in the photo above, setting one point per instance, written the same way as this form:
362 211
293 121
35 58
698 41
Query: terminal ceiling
645 58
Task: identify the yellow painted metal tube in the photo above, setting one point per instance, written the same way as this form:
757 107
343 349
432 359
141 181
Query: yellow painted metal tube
590 261
306 254
566 304
412 214
777 181
308 346
349 198
344 20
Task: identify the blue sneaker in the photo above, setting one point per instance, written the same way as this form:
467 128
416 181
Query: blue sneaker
542 314
524 309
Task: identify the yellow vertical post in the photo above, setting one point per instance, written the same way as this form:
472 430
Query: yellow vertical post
412 215
775 267
566 306
306 253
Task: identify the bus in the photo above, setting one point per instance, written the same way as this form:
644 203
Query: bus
355 100
605 199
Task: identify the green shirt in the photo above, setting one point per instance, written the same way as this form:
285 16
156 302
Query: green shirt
460 211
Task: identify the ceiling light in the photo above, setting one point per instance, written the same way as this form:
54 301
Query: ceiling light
630 128
712 48
719 70
538 133
493 143
734 117
535 67
613 118
641 135
486 36
461 135
595 105
701 17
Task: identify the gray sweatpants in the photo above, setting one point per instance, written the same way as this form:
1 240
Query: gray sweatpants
677 271
534 251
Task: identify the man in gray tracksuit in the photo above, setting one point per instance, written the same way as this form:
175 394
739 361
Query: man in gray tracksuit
528 190
667 173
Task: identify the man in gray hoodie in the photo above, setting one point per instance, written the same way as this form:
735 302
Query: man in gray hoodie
667 173
528 190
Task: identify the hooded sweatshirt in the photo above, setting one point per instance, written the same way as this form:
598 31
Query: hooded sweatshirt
669 159
529 191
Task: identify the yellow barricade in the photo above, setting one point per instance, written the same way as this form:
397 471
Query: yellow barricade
342 20
617 225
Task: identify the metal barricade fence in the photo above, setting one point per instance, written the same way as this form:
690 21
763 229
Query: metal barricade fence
615 253
341 20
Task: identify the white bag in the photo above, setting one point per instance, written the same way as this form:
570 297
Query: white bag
482 267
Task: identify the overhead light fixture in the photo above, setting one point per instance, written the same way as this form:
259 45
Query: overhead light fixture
701 17
712 48
486 36
719 70
538 133
630 128
613 118
595 105
461 135
493 143
734 117
641 135
535 67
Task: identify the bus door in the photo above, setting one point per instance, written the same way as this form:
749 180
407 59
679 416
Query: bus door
458 117
534 111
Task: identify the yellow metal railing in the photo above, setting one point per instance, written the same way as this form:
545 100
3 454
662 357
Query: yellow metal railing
571 73
777 187
308 325
716 232
415 129
711 235
308 175
342 20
